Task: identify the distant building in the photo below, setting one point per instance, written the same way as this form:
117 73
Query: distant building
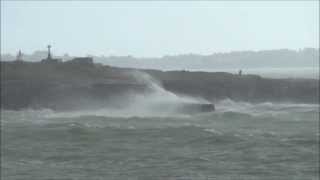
49 59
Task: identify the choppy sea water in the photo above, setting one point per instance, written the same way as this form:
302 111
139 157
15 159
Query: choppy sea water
238 141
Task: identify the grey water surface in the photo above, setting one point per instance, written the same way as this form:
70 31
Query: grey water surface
238 141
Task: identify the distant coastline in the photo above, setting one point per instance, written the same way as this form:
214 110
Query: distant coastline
267 63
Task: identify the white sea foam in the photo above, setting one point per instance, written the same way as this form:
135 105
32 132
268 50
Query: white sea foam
228 105
157 102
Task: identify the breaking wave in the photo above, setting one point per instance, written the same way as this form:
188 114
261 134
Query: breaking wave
225 109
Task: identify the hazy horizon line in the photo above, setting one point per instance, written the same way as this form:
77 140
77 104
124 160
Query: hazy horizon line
161 56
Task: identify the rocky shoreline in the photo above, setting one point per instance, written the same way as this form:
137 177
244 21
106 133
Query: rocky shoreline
66 85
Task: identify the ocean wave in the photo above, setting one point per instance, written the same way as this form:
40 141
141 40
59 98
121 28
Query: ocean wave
228 105
226 110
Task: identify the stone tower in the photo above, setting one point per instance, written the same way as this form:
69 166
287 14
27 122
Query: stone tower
49 52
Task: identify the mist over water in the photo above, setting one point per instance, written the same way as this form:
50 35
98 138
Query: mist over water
155 101
160 95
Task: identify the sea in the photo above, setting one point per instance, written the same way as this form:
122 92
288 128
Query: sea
238 141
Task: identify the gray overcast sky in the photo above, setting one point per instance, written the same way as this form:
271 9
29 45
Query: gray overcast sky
141 28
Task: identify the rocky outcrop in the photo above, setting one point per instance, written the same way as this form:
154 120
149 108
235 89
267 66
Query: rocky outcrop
72 85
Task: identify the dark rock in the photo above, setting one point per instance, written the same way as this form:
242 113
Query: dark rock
68 86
